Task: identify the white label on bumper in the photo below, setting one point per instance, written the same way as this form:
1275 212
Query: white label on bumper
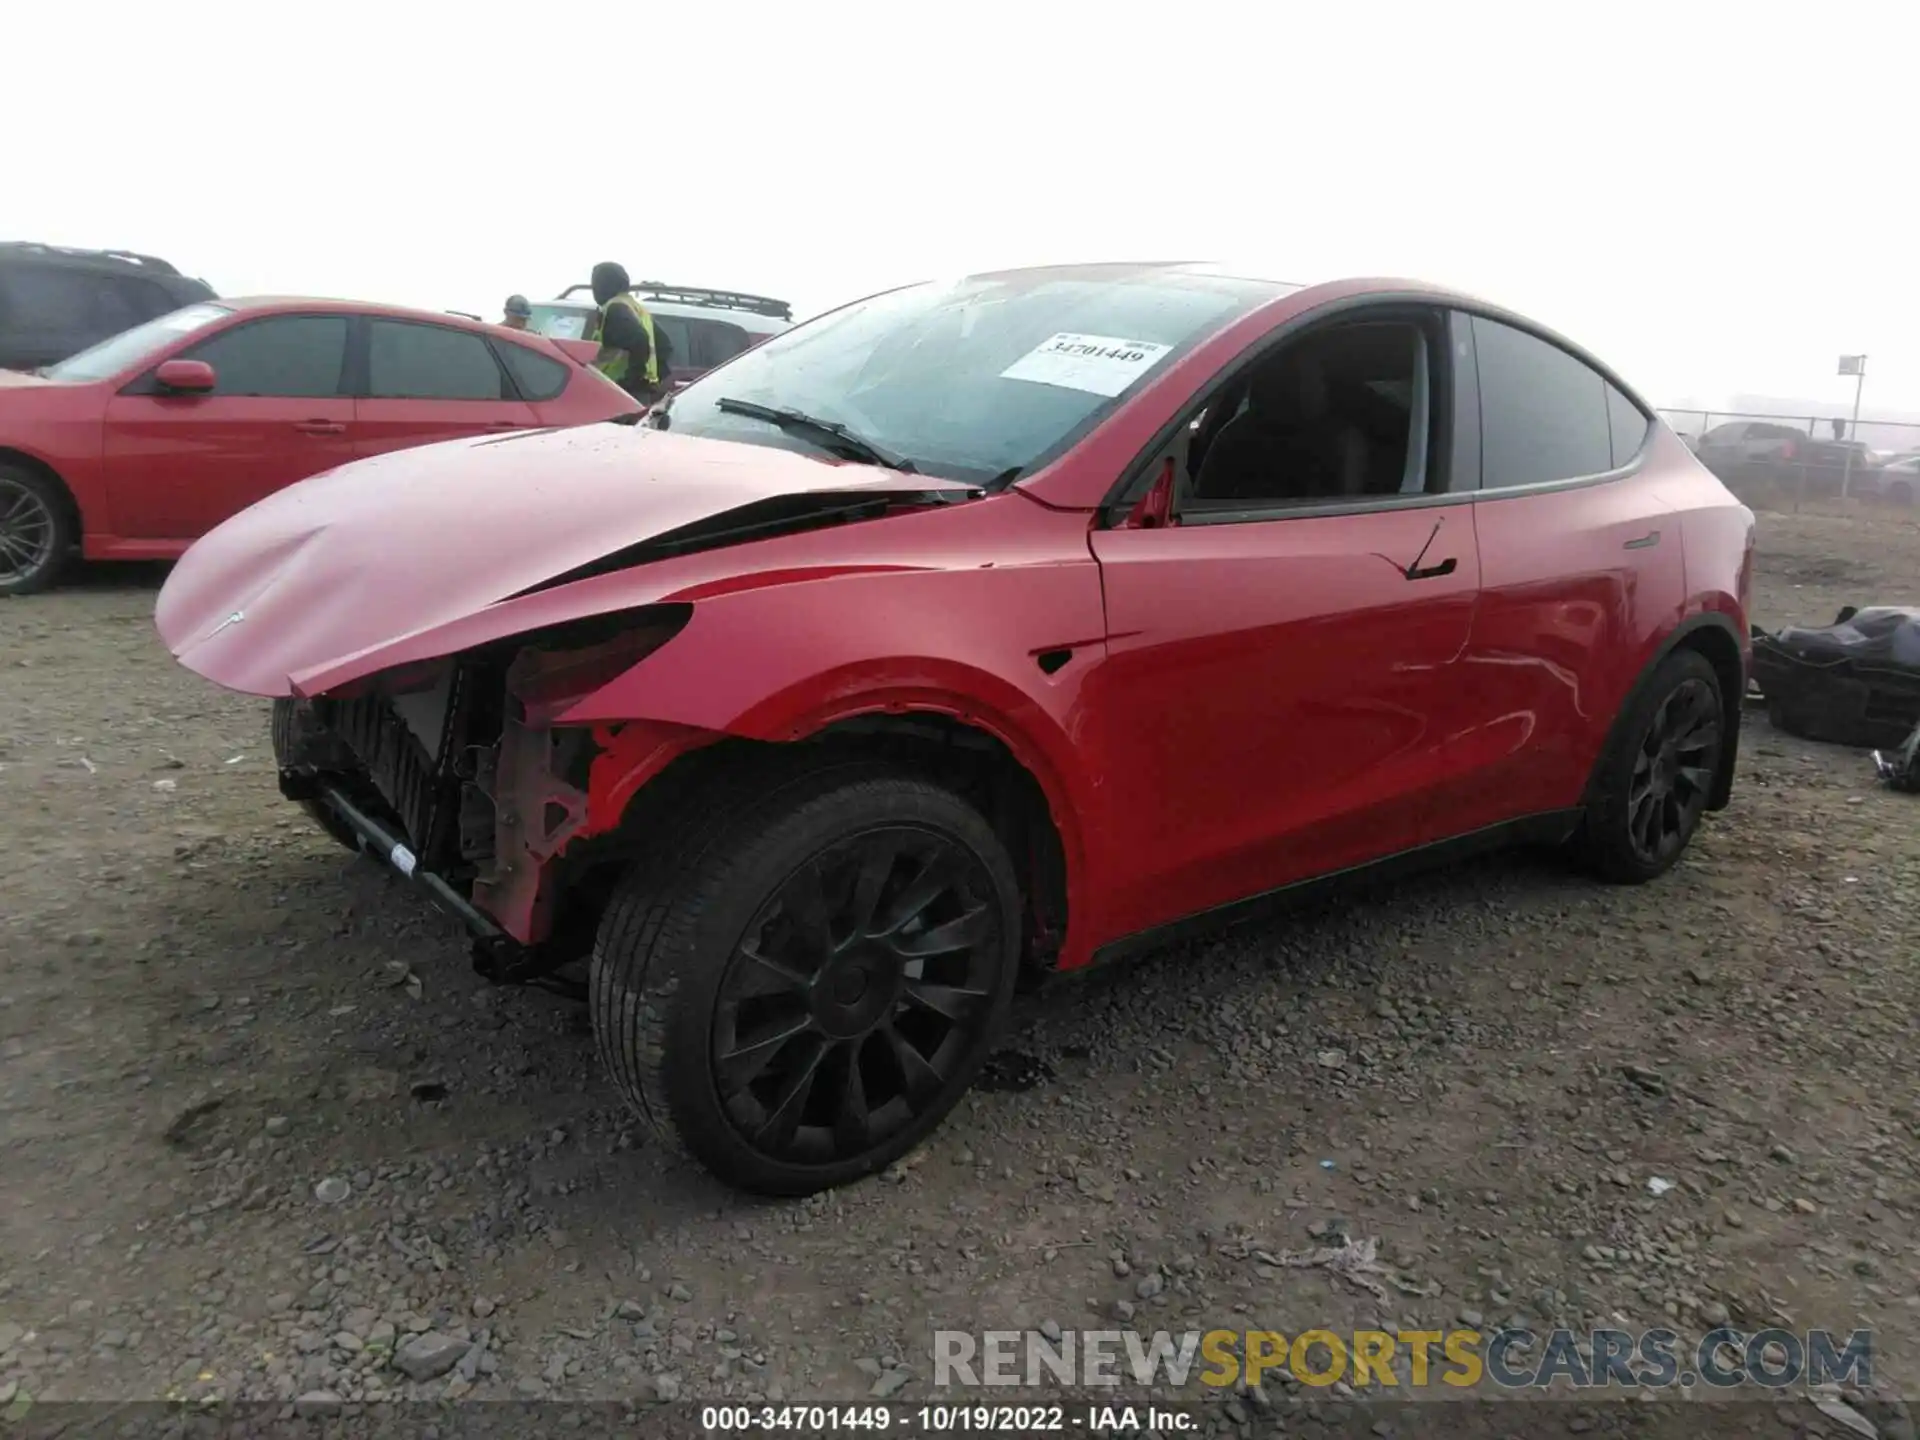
403 859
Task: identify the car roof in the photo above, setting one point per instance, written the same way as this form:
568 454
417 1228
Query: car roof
1124 270
88 259
281 304
746 319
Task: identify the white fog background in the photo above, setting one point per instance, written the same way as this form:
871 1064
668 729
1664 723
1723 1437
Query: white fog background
1718 199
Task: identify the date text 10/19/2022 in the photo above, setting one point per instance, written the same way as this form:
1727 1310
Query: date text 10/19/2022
940 1419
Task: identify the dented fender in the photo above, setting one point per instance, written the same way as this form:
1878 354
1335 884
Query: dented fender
1005 653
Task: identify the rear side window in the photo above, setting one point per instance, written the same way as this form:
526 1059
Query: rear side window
48 298
117 307
540 377
1629 425
1543 414
678 334
123 302
715 342
289 355
407 361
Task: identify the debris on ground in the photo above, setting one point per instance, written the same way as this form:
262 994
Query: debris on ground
1900 768
1840 1412
1742 1026
1352 1260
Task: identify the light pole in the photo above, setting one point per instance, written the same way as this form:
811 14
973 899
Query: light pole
1856 366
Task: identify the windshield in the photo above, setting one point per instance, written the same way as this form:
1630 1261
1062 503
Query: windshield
559 322
128 348
973 379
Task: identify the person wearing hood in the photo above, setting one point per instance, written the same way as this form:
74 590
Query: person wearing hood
519 313
630 352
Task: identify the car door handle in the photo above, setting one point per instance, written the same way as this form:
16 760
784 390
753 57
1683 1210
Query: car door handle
1645 542
1433 572
320 427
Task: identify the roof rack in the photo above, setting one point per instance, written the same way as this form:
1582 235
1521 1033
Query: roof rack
123 257
697 295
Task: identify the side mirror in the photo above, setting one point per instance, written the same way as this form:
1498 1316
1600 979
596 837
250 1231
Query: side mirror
185 377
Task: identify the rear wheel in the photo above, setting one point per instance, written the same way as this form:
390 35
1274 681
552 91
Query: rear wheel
285 746
36 530
805 988
1900 492
1657 772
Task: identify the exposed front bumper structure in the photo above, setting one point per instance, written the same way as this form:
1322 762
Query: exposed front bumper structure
378 843
496 954
456 776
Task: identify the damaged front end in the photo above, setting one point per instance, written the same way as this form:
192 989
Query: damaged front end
456 774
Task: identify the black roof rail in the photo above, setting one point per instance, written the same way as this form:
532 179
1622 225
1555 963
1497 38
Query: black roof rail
70 252
698 295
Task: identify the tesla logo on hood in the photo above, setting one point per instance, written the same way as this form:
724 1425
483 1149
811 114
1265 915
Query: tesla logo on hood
234 619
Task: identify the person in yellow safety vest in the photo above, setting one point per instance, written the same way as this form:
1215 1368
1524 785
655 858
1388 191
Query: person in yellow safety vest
629 349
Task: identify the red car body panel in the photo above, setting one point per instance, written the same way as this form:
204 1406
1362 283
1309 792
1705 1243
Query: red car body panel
301 565
1273 731
1201 728
1568 617
172 469
149 473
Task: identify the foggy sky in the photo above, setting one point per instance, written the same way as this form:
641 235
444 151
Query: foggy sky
1714 204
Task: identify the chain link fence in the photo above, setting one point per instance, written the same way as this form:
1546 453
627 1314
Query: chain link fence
1784 460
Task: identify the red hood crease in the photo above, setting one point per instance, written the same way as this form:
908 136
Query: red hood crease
393 546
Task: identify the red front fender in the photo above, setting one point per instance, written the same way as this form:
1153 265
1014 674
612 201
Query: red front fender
784 663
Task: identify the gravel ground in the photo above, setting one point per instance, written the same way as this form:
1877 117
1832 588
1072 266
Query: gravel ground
266 1135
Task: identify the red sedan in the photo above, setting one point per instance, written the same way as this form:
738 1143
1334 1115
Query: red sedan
984 630
136 447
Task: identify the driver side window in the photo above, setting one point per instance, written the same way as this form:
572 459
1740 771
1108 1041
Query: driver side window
287 356
1340 413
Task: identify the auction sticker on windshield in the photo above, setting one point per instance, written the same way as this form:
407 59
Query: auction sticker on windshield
1099 364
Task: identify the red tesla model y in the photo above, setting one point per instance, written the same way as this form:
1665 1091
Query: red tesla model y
980 630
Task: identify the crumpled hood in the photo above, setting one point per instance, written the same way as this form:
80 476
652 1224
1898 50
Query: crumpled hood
388 547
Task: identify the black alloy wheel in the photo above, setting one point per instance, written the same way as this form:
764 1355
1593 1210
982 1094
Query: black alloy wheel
805 975
1657 772
856 995
1673 771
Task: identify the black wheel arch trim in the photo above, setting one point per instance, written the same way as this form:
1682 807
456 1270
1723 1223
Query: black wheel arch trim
1681 637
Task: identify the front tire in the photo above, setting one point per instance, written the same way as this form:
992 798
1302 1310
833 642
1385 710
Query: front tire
36 531
1657 772
802 987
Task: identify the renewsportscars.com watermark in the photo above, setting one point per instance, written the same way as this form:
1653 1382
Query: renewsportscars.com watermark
1415 1359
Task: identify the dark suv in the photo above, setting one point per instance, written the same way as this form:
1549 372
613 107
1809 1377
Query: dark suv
55 302
1772 453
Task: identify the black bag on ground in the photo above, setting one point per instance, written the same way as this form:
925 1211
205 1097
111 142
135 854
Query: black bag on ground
1854 682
